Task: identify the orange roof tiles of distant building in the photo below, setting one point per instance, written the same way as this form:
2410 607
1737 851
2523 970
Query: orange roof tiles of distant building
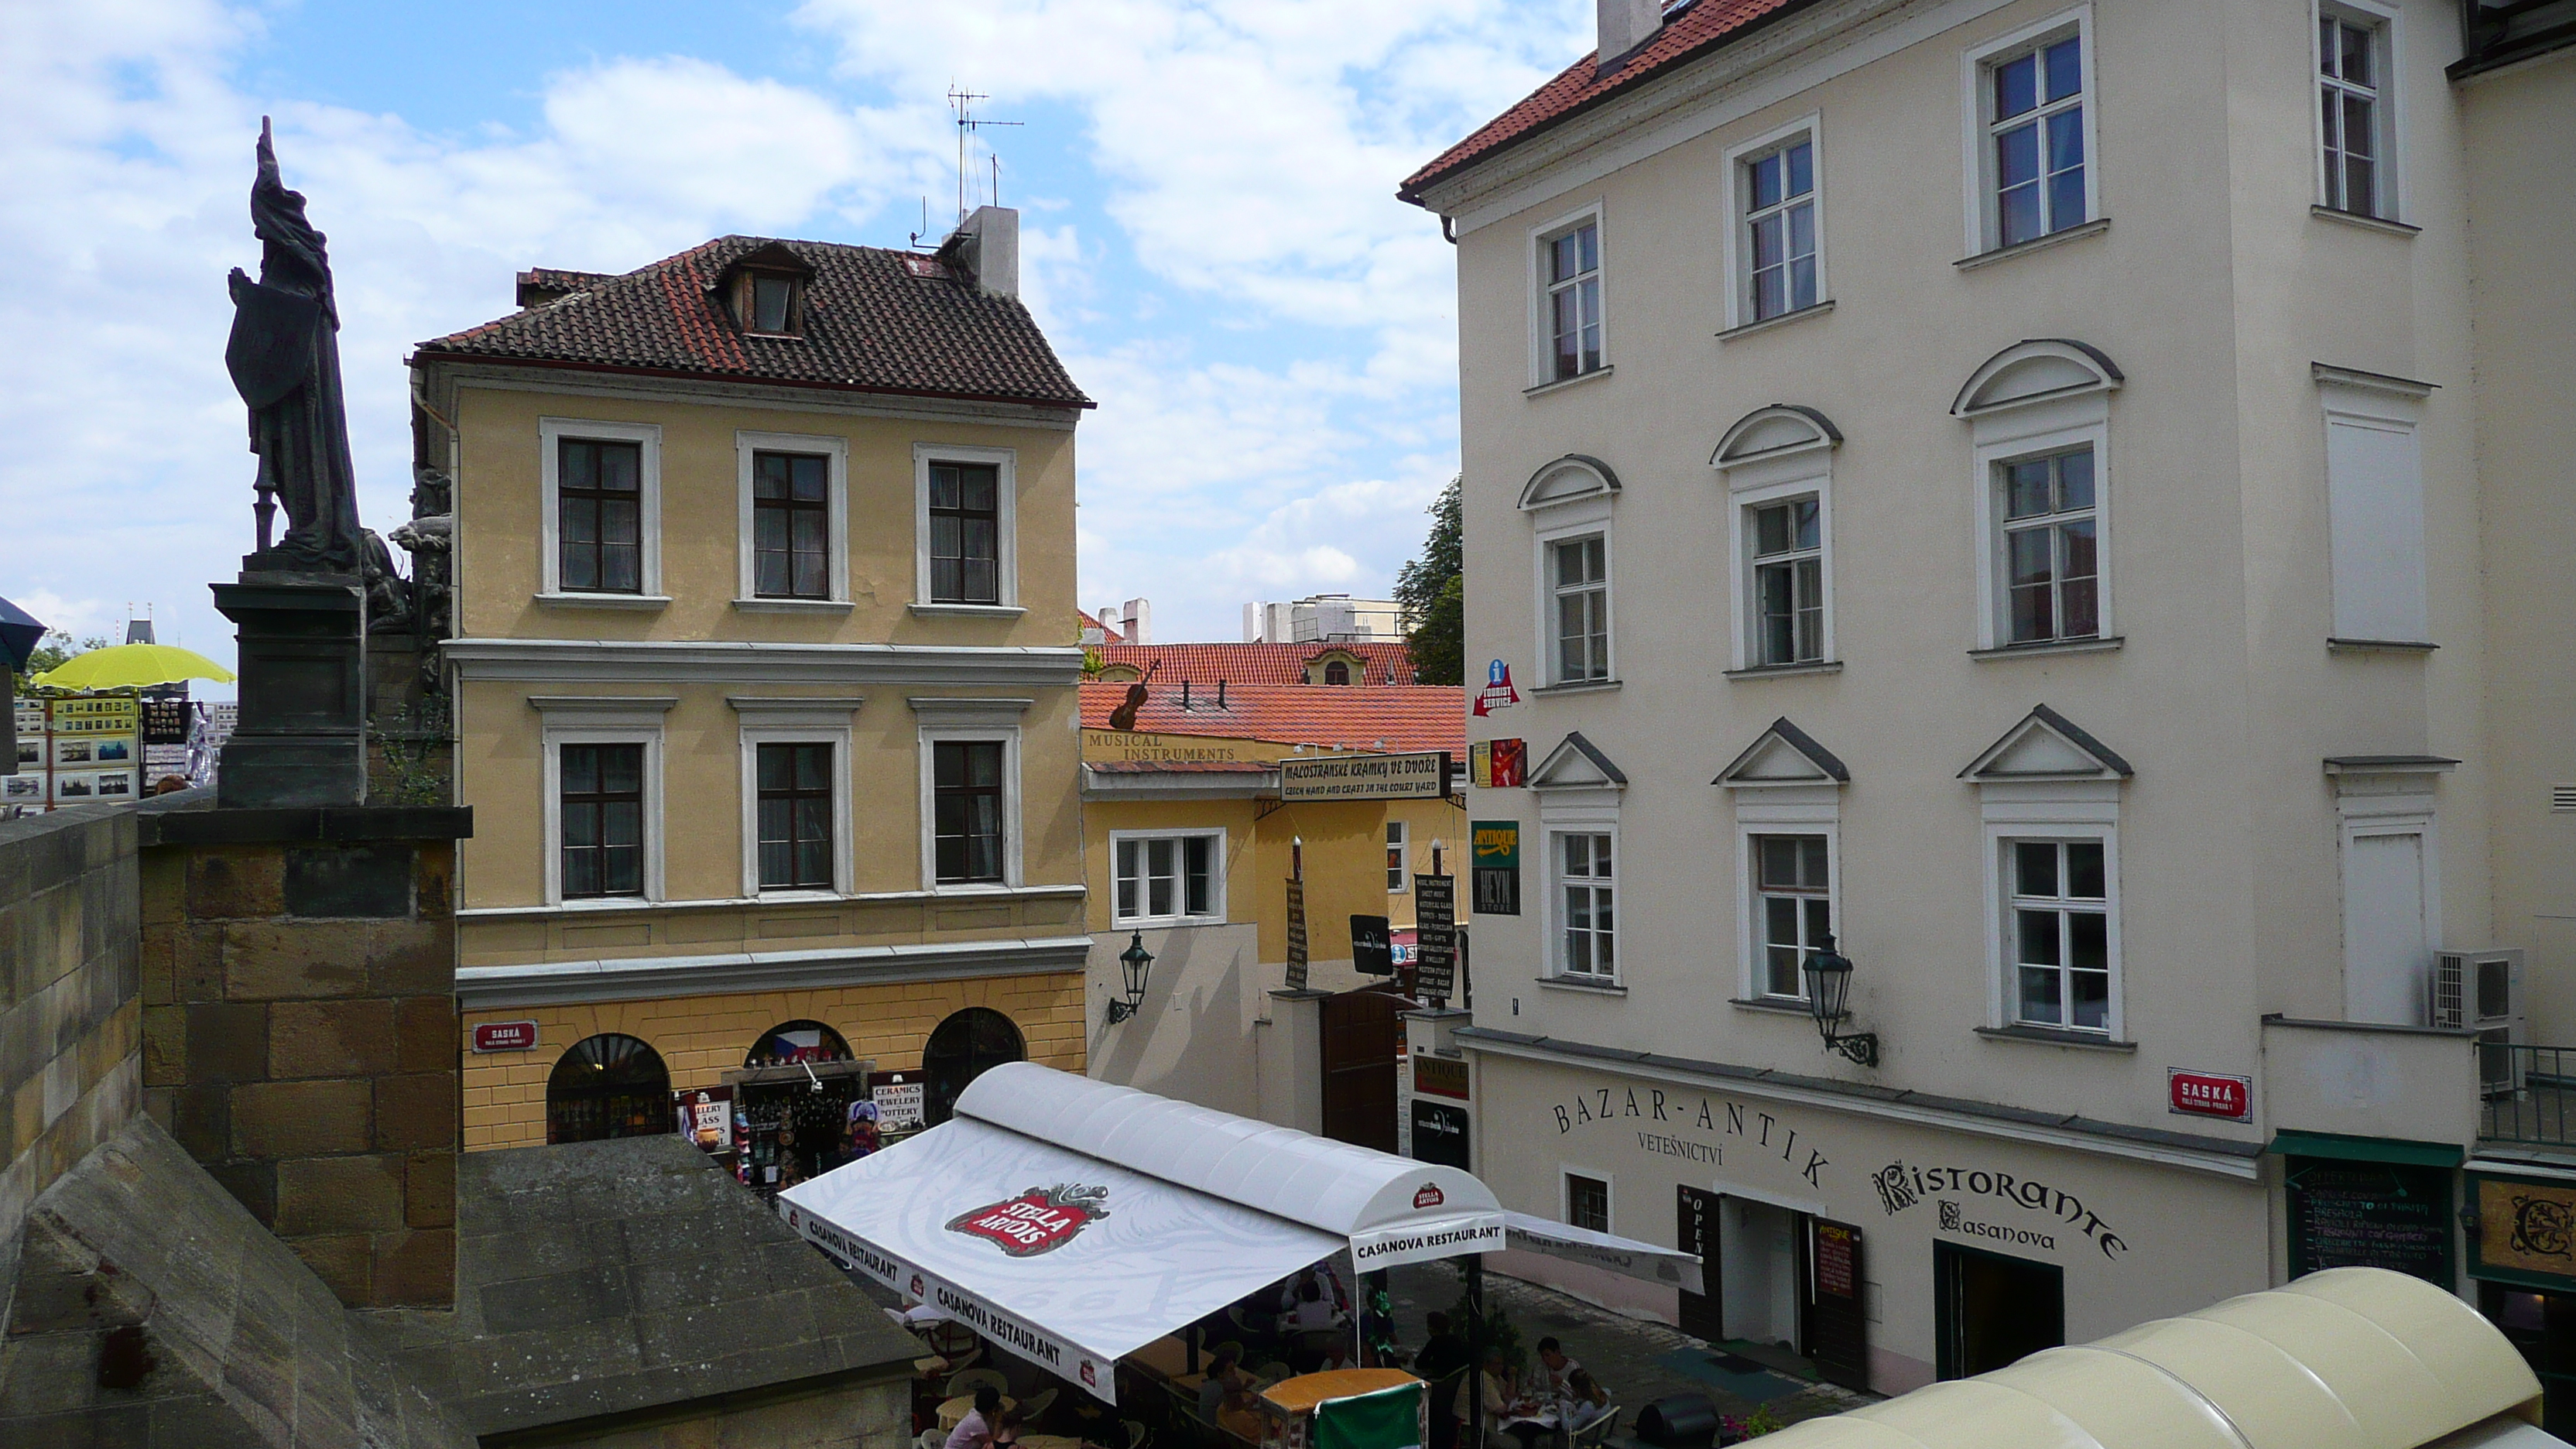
1690 30
1204 664
1329 716
1108 635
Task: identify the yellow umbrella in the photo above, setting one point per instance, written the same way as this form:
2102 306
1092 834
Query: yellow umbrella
131 666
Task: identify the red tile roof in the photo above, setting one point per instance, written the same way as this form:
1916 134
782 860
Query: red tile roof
873 322
1108 634
1344 717
1690 31
1204 664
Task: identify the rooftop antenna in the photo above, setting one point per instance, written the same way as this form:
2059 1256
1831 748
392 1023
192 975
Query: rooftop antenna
963 103
925 223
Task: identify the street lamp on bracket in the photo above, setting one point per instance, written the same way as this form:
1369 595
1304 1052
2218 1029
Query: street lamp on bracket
1829 976
1135 964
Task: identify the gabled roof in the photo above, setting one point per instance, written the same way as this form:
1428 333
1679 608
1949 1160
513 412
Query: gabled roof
1577 764
1204 664
2045 745
1331 716
1784 755
1691 30
1108 635
874 321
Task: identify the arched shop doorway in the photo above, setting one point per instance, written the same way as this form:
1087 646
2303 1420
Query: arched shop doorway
965 1046
607 1086
791 1105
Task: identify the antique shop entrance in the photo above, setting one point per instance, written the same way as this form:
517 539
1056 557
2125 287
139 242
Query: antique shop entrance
1993 1311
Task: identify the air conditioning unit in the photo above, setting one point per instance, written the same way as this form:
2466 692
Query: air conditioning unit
2481 991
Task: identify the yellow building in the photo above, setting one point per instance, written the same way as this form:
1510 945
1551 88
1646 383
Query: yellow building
1189 849
765 686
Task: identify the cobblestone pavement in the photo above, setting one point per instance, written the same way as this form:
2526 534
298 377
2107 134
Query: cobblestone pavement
1639 1361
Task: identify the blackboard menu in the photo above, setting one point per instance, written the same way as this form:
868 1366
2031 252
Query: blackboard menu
2370 1215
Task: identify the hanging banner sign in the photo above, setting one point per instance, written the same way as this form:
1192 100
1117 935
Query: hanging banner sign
1435 914
1296 935
1498 692
902 1101
1423 775
1372 946
2527 1228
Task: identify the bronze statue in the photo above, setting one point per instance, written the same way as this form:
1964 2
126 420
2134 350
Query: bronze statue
284 357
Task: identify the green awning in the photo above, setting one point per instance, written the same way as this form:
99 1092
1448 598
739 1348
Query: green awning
2365 1149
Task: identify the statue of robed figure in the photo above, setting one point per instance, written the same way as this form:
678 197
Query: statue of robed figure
284 357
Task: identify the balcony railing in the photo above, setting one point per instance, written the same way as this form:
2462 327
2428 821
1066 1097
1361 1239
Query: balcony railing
2529 1094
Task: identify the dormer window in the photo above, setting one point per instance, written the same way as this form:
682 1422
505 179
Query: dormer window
769 299
765 290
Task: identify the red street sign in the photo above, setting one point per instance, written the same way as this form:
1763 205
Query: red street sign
2209 1094
505 1036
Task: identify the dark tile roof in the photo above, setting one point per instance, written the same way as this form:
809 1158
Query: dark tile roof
875 321
1690 31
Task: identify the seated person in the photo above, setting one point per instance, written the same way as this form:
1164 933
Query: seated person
1225 1377
1495 1390
1585 1400
1559 1368
1238 1408
1312 1309
975 1431
1007 1429
1443 1352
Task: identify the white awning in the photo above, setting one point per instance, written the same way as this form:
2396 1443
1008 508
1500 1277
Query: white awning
1070 1262
1072 1222
1612 1254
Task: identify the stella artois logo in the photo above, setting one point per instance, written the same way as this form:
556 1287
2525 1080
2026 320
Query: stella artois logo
1090 1375
1039 1220
1429 1196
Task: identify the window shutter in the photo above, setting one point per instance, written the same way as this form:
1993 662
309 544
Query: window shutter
2375 508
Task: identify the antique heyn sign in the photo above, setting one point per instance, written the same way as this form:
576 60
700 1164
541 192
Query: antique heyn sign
1497 867
1423 775
1435 916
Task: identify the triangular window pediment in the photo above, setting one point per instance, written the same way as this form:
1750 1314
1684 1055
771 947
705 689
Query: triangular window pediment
1577 764
2045 745
1784 755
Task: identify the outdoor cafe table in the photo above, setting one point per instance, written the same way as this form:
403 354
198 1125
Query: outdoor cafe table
1049 1441
958 1407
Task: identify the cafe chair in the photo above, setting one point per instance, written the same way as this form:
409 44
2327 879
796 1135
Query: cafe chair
929 1439
1036 1404
973 1379
1137 1433
1272 1372
1597 1433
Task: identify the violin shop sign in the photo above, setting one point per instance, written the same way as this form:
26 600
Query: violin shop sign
1693 1126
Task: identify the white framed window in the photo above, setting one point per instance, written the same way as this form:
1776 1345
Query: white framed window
2050 549
1399 858
2060 932
2030 133
602 799
1793 909
1583 864
1166 878
1587 1201
965 530
793 511
1775 254
970 792
2356 115
2050 798
599 516
1778 465
795 796
2039 415
1788 566
1568 338
1578 592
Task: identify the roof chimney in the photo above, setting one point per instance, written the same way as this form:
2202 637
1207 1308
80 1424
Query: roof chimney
1625 25
988 244
1140 617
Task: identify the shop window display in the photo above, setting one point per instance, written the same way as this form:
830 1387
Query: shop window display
608 1086
799 1102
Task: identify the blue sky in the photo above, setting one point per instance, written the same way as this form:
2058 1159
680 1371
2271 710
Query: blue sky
1209 230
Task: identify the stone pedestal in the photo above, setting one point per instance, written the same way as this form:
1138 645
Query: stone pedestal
301 740
299 1029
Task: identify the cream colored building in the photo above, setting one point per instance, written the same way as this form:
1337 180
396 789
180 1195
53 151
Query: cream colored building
764 679
2068 500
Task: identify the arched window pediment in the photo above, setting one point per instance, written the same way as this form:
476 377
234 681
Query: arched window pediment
2036 370
1780 430
1572 477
